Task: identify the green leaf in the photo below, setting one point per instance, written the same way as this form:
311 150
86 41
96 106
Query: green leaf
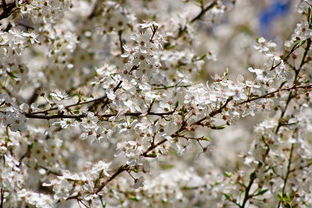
261 192
186 188
294 123
168 46
287 197
200 1
206 138
217 183
166 166
202 57
102 203
226 72
299 43
217 127
11 75
284 198
134 198
152 155
176 104
228 196
227 174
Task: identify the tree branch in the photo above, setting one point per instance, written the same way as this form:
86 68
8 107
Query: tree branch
96 100
7 9
203 11
62 116
120 170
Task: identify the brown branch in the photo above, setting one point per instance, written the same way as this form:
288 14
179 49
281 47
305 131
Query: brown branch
197 17
71 105
62 116
122 50
307 48
305 54
34 96
96 100
95 10
154 30
7 9
153 146
193 138
285 59
120 170
290 95
203 11
57 116
247 196
170 86
213 113
1 197
253 176
270 94
287 173
182 128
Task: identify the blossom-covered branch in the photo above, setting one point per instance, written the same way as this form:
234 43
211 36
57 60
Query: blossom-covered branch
154 104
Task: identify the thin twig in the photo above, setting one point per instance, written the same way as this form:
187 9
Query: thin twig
7 9
287 173
122 50
120 170
79 103
1 197
203 11
63 116
270 94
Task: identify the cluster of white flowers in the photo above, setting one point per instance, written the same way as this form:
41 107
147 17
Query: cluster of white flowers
113 103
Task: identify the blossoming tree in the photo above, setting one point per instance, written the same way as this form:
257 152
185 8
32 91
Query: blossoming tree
107 104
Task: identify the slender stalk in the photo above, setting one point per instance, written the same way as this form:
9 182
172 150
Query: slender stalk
122 50
120 170
287 173
62 116
96 100
203 11
1 197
